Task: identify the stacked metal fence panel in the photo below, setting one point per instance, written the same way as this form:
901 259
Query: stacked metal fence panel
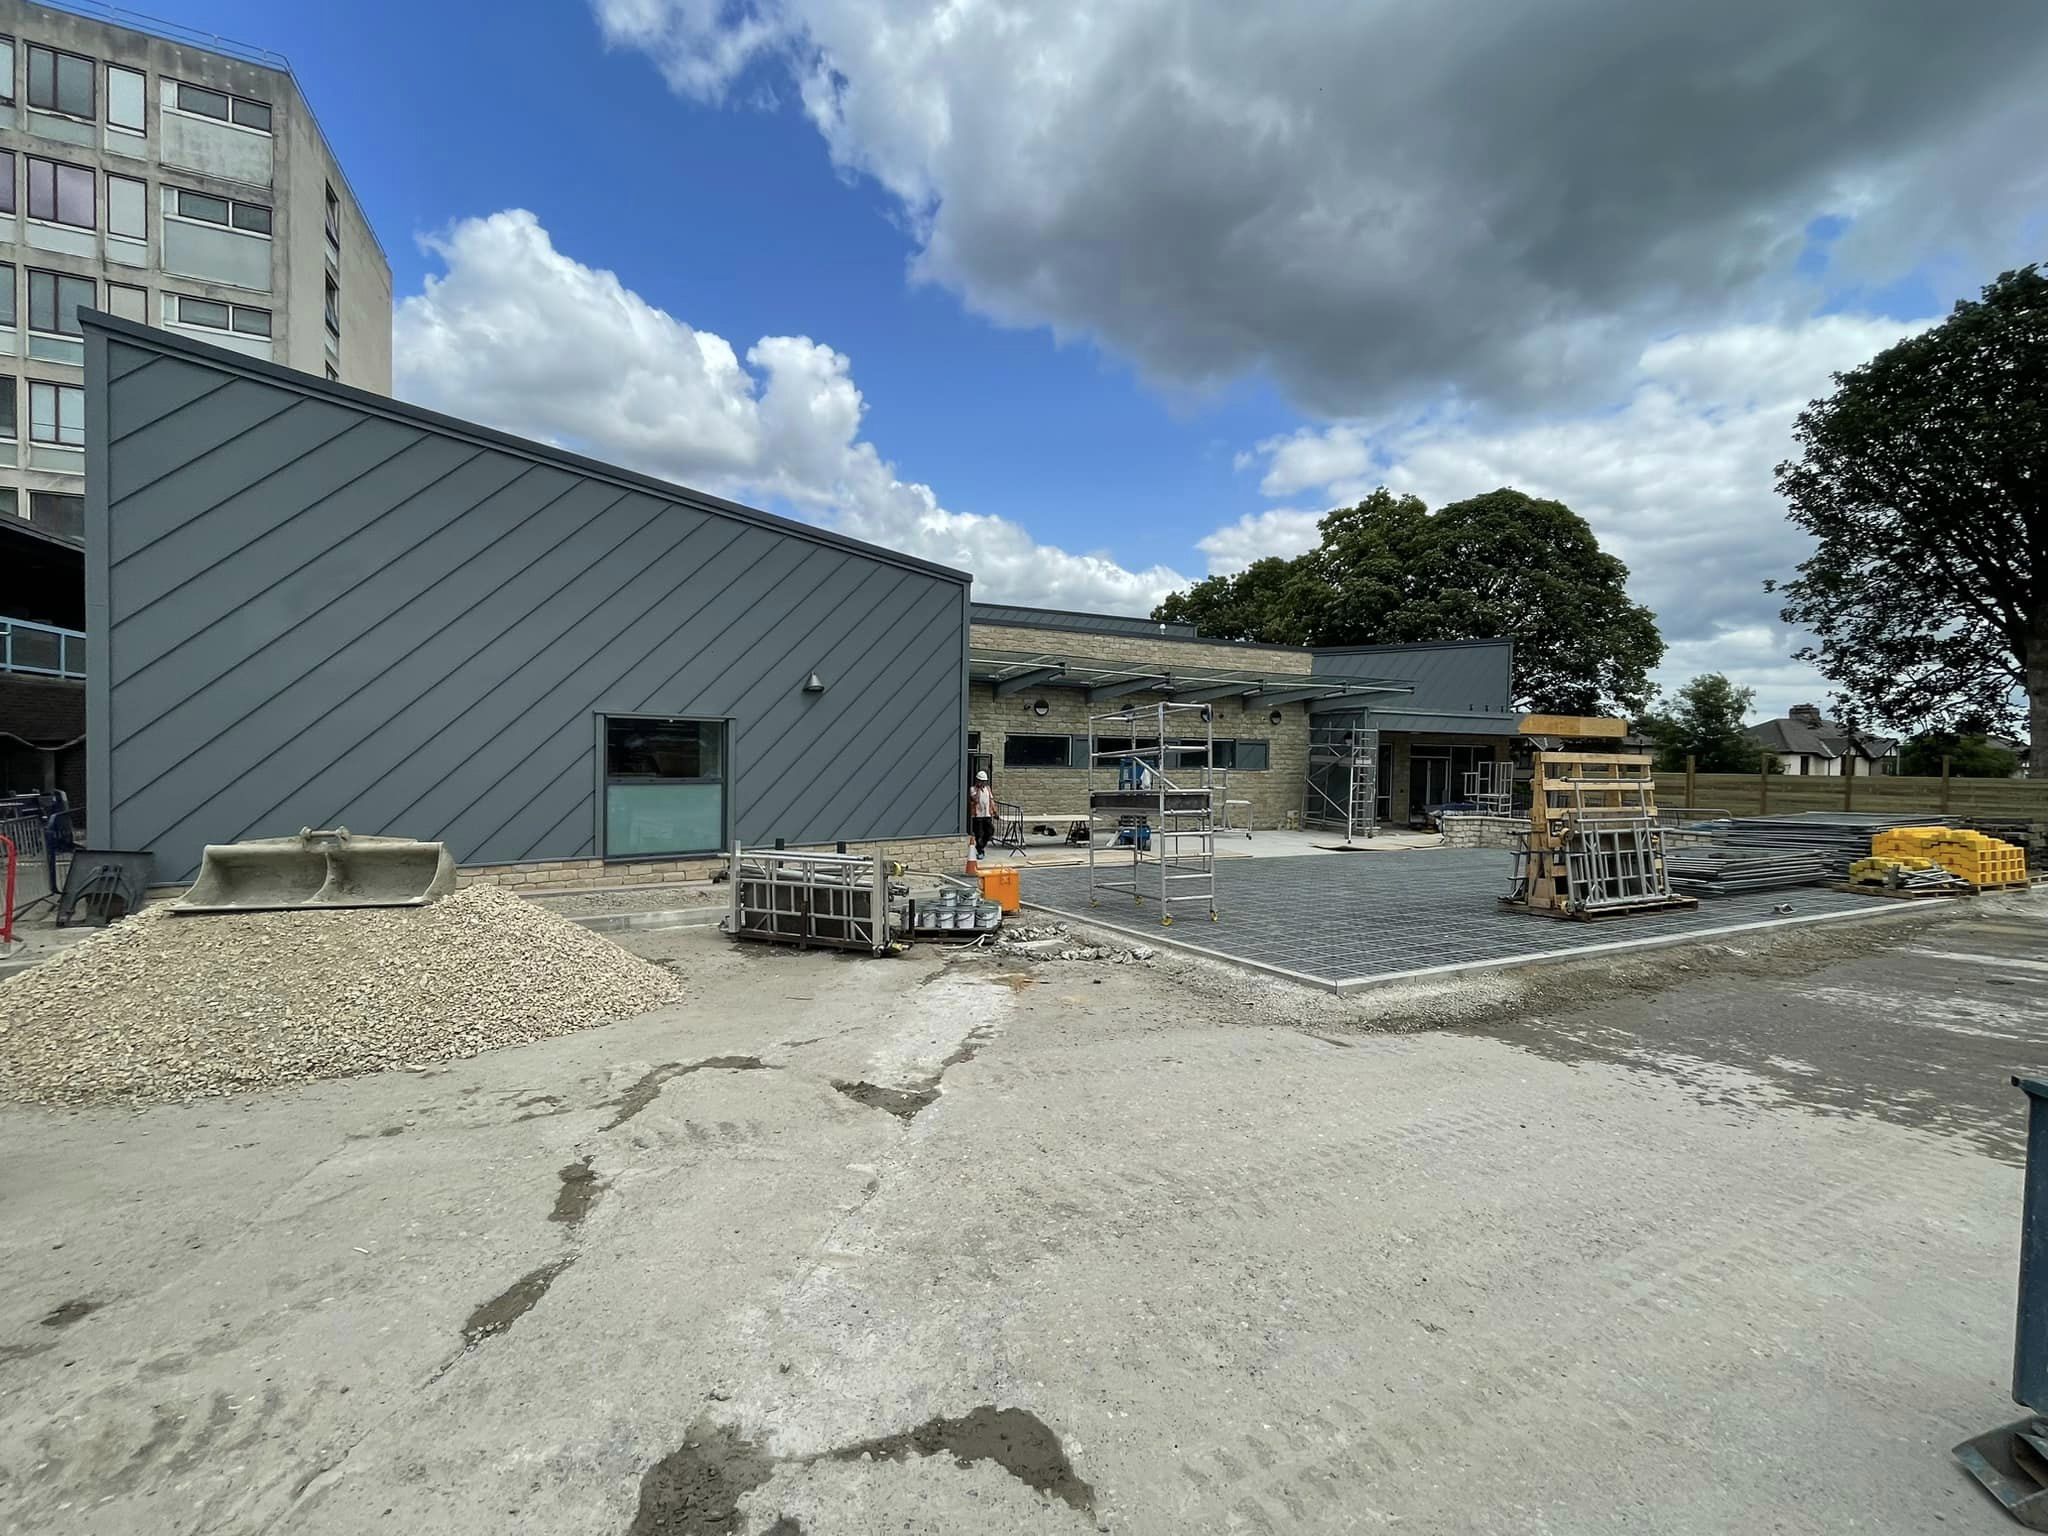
1718 870
1840 838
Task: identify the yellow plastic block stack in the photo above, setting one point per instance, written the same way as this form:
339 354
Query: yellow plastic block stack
1970 856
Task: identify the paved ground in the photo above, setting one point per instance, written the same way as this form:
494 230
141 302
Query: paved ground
1131 1248
1354 918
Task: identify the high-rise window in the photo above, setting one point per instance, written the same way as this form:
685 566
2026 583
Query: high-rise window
56 414
127 207
7 422
128 301
333 305
249 218
61 193
54 300
7 71
60 82
125 89
213 315
7 295
239 110
6 181
333 217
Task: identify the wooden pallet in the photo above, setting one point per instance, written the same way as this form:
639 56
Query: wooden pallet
1893 893
1643 909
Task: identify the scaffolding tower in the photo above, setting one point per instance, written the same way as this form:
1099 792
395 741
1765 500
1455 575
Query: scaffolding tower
1491 788
1156 793
1343 793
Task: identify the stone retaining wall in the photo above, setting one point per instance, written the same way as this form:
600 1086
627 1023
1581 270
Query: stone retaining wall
1466 829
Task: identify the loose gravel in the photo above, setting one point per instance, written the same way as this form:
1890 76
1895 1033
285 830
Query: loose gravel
161 1007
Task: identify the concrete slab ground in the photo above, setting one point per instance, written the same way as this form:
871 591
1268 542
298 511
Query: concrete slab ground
1346 921
1057 853
1727 1245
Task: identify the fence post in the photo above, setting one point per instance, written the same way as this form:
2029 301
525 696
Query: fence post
1692 799
1763 788
1849 783
1944 783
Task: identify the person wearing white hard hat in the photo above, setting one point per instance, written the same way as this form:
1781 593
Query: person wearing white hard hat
981 811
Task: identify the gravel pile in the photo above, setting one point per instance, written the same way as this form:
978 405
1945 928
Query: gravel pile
161 1008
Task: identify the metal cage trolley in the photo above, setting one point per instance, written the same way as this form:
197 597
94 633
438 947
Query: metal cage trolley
1155 793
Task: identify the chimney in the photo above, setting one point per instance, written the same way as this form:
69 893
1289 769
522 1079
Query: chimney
1807 715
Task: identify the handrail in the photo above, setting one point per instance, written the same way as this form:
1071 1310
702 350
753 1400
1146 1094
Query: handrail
70 643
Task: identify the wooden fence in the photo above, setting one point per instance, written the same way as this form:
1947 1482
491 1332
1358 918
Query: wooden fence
1752 794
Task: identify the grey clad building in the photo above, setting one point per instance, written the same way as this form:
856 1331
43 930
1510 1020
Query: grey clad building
168 177
310 605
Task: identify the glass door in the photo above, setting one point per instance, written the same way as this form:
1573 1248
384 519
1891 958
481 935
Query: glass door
1429 777
664 786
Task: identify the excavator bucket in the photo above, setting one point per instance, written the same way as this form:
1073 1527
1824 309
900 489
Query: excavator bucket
319 870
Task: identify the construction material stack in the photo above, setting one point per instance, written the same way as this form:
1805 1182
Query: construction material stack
1904 875
825 900
1986 863
1594 847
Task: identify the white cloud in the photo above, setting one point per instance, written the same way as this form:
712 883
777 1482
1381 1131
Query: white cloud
517 334
1379 200
1282 531
1677 478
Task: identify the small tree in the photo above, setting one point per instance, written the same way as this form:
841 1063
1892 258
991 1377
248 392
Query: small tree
1924 479
1970 756
1705 723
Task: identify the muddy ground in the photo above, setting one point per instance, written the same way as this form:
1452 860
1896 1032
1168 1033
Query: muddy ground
1711 1240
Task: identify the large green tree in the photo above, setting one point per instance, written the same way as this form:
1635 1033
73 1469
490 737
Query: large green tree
1704 723
1389 571
1970 754
1924 481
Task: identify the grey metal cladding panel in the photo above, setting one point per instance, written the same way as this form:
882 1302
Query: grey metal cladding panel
1445 677
560 813
171 386
385 532
196 440
289 508
282 669
352 738
677 658
802 780
641 633
905 762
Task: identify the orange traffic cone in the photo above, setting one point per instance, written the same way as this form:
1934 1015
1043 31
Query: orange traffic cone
973 859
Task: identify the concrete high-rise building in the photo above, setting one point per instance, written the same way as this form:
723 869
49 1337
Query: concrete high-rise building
179 180
170 177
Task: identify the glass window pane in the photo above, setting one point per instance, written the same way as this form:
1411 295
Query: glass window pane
203 312
647 750
42 78
42 301
1034 751
6 294
127 208
42 189
75 197
253 217
252 322
42 411
74 85
74 294
6 69
6 181
197 205
124 97
206 103
251 114
663 818
128 301
6 406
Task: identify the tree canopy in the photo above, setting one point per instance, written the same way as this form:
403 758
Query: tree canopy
1705 723
1390 571
1924 481
1970 755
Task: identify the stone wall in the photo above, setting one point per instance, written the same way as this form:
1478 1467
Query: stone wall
929 855
1463 829
1273 791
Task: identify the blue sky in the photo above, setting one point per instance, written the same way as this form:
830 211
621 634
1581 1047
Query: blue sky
1108 294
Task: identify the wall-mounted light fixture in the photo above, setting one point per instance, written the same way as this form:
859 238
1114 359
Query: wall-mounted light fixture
1040 708
1275 718
814 684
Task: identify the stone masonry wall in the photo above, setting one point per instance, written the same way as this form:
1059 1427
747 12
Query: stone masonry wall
1273 791
928 855
1464 829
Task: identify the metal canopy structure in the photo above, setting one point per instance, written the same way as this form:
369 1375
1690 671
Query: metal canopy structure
1013 672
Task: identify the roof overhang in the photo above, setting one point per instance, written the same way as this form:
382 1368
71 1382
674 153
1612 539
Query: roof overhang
1105 678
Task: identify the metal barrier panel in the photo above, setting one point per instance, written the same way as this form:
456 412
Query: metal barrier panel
32 878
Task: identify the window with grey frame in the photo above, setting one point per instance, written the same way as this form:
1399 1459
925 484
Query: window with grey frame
214 315
54 300
1022 749
62 194
9 428
201 101
60 82
126 92
7 203
7 295
229 213
6 71
664 786
56 414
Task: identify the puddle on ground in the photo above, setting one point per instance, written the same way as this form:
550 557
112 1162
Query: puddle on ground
514 1302
695 1490
70 1312
579 1192
1016 1440
903 1103
648 1088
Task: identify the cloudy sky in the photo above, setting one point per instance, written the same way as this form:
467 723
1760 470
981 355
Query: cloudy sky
1094 298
